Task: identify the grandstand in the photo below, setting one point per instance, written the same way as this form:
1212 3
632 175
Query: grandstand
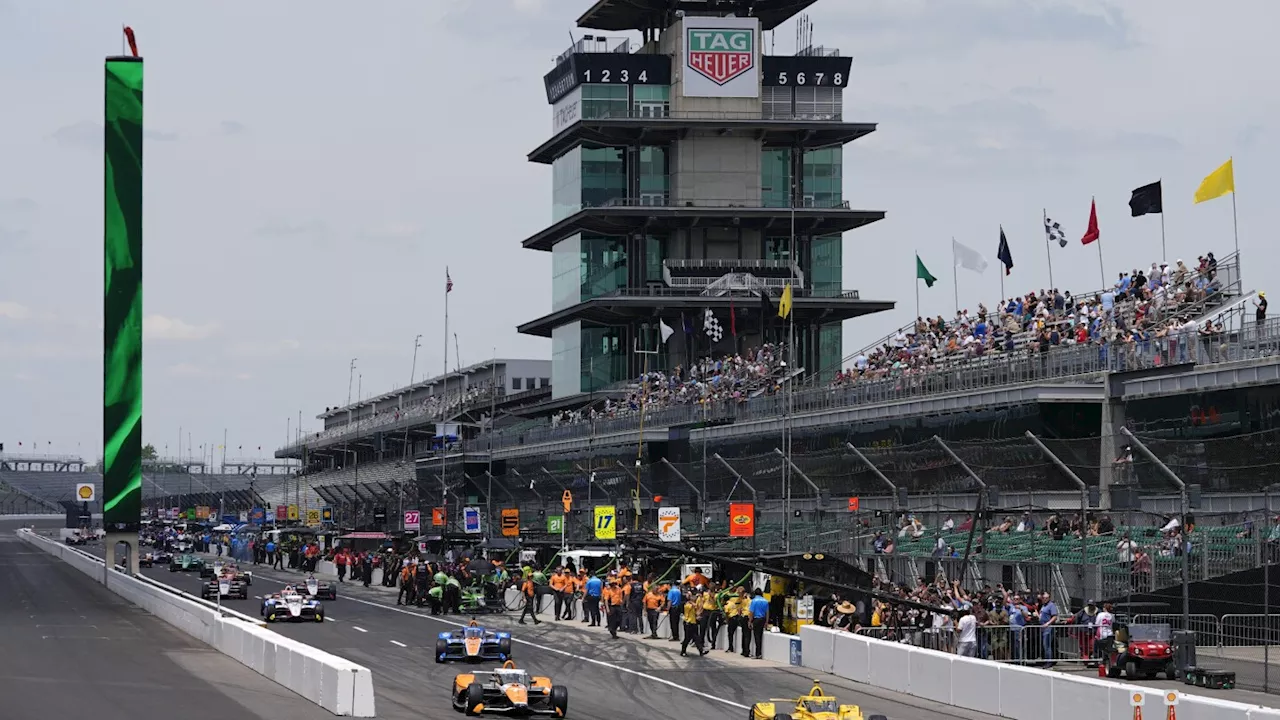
44 484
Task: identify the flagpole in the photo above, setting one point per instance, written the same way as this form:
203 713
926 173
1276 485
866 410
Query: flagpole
1101 272
444 392
1164 254
913 321
955 276
1048 249
1235 225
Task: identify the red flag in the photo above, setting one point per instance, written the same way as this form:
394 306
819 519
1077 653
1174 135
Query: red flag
1092 233
133 41
733 320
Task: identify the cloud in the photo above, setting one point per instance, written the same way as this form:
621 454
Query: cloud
231 127
314 229
14 311
893 31
530 7
243 376
161 327
263 349
24 377
88 134
188 370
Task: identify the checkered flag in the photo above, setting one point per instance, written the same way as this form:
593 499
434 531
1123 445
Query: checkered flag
1053 231
712 326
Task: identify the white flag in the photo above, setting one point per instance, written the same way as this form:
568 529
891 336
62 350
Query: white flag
968 258
666 331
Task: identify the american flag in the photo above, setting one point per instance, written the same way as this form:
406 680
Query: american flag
448 281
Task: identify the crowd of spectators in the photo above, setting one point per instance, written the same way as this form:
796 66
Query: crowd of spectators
1143 305
431 407
732 378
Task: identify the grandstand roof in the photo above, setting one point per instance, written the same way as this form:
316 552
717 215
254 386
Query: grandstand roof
617 15
480 367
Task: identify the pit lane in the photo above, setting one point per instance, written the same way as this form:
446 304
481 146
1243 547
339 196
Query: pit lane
606 678
70 648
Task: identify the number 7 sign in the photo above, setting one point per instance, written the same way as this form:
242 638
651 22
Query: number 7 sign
669 524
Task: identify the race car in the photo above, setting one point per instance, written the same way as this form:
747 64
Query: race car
473 644
290 606
1139 652
318 589
155 557
817 705
237 588
229 569
508 691
183 547
186 563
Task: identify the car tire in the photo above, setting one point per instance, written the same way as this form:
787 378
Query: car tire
560 699
504 647
442 646
877 717
474 698
1131 670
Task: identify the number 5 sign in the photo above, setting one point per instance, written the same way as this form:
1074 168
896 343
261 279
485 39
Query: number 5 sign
412 519
669 524
606 529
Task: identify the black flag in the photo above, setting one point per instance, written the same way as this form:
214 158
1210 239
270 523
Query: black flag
1005 257
1147 200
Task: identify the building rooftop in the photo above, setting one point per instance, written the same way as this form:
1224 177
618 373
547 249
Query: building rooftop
620 15
480 367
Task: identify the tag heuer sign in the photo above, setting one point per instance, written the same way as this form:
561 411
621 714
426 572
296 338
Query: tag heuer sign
721 55
720 58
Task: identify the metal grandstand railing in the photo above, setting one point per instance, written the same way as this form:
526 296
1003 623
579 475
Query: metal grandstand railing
1079 362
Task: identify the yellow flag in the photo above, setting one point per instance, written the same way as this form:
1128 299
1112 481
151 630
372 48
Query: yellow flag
1217 183
784 304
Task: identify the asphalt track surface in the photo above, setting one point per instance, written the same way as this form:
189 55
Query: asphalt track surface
606 678
71 648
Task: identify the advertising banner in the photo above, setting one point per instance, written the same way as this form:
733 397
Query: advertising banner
721 57
742 519
606 522
510 522
669 524
471 520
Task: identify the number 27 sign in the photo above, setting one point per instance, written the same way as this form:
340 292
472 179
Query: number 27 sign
669 524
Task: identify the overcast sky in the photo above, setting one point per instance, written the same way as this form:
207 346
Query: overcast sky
312 167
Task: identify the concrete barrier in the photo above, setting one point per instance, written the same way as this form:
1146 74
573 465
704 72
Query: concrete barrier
1011 691
335 684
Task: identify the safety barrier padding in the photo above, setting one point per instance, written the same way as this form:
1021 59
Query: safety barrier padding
819 647
930 675
777 647
1006 690
975 684
335 684
852 658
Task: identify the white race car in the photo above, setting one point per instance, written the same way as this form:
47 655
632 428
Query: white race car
290 606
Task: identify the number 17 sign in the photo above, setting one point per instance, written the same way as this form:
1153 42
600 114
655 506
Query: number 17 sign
669 524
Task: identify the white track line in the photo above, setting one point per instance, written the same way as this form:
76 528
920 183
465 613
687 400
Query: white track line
397 642
353 627
557 651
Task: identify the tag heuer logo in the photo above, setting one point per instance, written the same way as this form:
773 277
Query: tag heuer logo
720 55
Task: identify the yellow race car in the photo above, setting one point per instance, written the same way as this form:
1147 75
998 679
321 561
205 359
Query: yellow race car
817 705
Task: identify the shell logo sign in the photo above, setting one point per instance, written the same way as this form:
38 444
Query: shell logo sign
742 519
85 492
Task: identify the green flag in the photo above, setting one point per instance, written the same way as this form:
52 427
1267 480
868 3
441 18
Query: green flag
922 273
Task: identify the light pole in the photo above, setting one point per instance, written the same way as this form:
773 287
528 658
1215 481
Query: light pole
351 374
413 372
1182 522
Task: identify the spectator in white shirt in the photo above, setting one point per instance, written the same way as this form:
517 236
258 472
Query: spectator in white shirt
968 633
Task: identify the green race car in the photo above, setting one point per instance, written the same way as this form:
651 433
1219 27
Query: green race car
186 563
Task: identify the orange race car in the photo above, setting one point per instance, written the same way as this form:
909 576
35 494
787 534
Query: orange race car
509 691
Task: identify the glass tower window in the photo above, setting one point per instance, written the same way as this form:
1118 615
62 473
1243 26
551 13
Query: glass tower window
604 176
655 176
775 177
604 101
776 102
603 361
566 185
604 266
651 100
823 177
566 273
826 265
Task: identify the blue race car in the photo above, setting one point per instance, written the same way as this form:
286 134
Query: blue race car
289 606
473 644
